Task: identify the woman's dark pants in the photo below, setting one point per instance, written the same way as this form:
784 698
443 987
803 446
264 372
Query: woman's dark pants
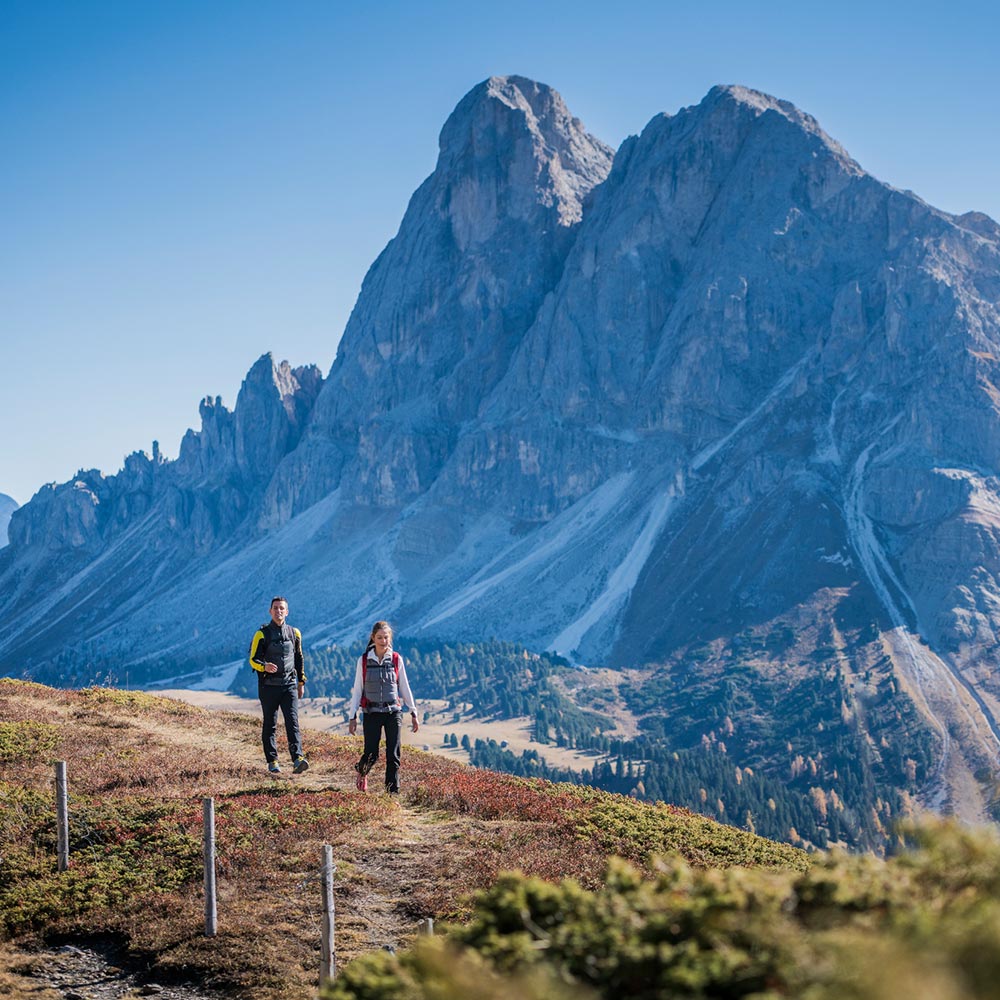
271 699
373 723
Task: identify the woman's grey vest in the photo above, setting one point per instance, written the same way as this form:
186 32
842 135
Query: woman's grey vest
381 685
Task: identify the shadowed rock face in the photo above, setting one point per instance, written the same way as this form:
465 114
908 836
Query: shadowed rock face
617 410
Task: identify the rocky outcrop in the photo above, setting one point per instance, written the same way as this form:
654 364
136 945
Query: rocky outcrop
98 545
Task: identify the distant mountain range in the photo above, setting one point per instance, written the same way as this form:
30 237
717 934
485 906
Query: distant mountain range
7 507
719 401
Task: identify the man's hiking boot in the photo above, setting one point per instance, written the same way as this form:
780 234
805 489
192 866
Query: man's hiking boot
274 767
301 764
362 783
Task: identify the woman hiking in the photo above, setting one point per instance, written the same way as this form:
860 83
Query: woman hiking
381 689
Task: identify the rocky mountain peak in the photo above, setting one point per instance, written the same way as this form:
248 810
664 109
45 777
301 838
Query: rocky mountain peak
444 307
271 409
980 224
758 102
264 372
510 146
730 116
740 168
294 386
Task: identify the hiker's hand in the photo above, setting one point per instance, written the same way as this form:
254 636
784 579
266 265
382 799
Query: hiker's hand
352 726
270 668
416 725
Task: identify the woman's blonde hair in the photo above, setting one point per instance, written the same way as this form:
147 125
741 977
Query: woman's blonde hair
377 627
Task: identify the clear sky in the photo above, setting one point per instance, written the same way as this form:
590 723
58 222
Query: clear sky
185 185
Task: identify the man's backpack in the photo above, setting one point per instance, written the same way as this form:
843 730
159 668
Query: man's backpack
364 674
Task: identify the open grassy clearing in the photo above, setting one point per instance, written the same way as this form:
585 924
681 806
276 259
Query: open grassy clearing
139 766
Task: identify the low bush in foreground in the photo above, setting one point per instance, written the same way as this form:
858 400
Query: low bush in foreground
925 924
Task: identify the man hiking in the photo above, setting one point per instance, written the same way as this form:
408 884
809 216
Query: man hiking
276 655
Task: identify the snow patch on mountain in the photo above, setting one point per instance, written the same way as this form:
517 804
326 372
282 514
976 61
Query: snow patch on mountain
620 582
945 695
213 679
532 558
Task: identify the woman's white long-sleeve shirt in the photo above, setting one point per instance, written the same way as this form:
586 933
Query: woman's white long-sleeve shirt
404 687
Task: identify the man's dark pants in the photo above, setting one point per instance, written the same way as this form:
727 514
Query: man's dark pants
373 723
271 699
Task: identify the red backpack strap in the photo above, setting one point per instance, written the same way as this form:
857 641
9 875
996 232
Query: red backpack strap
395 663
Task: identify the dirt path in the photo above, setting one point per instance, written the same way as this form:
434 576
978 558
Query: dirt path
382 911
385 915
373 886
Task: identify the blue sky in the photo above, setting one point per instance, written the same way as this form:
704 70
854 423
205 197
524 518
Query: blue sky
185 186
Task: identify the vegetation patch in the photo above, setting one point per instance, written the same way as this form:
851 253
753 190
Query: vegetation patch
488 795
634 830
123 851
138 700
617 823
27 741
925 924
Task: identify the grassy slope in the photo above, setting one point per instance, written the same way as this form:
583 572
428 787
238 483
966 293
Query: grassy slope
139 767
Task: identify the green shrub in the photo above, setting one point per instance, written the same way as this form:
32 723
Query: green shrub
20 741
435 970
925 924
121 851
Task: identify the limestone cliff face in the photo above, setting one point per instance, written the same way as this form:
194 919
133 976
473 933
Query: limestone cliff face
446 304
622 410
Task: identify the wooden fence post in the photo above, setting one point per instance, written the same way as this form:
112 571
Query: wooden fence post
211 921
328 951
62 816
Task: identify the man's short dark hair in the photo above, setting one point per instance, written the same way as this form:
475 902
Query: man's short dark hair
274 600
